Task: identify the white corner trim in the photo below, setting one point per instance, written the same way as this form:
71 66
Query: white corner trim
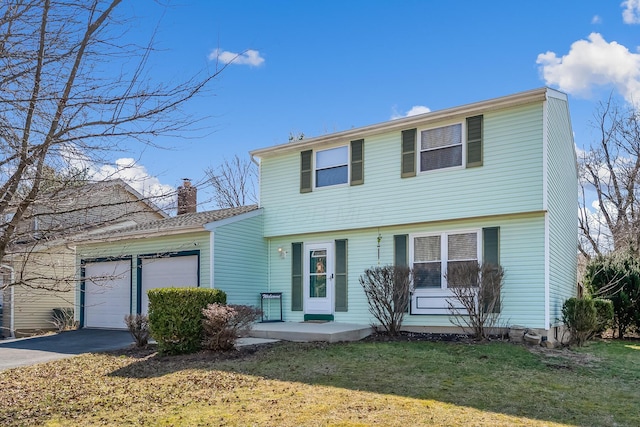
211 226
547 272
545 154
212 254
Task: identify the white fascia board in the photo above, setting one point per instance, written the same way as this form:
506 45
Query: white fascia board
211 226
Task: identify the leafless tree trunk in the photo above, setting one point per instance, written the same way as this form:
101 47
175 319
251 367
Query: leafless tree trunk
233 183
69 95
609 173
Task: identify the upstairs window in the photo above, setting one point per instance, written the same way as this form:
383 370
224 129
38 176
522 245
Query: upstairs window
441 147
332 166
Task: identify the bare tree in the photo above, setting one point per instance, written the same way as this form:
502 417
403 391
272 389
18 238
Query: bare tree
72 92
609 173
475 304
233 182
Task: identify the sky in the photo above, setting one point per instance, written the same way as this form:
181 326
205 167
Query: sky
318 67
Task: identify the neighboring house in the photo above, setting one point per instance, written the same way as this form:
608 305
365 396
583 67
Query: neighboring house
491 181
38 273
119 267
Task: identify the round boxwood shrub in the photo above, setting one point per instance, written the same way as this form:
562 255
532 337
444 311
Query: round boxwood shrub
175 317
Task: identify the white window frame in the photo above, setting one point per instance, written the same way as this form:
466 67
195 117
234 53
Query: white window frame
444 254
315 168
463 145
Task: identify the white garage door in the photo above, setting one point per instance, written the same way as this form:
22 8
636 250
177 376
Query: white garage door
171 272
107 295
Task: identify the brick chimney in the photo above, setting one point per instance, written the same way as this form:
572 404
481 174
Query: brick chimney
187 198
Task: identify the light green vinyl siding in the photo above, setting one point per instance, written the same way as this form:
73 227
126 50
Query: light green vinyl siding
509 181
240 261
563 202
521 254
150 245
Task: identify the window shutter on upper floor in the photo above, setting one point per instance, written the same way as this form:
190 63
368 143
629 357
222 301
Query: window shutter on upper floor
357 162
306 171
474 141
296 277
341 285
408 162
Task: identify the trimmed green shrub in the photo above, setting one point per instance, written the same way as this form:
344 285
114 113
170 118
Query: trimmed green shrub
616 277
175 317
604 314
580 316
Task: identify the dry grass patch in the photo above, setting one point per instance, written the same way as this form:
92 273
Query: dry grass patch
371 383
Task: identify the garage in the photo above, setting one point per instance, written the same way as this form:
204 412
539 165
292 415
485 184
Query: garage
177 271
107 294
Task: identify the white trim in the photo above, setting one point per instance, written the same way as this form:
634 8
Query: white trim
327 305
12 312
547 293
211 226
314 169
212 252
545 207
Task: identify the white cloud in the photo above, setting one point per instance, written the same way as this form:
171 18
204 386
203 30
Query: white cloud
593 62
139 178
631 13
414 111
248 57
596 19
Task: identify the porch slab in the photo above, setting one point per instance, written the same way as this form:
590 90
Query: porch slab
311 331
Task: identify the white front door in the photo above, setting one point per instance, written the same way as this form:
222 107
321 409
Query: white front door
318 278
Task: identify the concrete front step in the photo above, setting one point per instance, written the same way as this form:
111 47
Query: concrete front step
311 331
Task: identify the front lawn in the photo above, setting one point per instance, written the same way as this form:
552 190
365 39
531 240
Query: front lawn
365 383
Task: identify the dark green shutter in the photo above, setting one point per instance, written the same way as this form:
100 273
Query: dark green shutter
408 166
305 171
296 277
341 276
491 245
357 162
474 141
400 250
491 251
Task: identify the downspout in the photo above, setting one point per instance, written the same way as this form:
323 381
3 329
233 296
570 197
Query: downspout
258 164
12 322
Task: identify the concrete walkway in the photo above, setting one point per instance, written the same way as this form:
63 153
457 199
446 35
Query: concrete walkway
311 331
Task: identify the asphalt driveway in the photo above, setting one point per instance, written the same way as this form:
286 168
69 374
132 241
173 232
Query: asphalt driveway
29 351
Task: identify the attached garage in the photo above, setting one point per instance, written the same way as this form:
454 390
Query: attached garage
178 270
106 294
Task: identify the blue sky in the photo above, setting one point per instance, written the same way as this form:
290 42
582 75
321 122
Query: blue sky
319 67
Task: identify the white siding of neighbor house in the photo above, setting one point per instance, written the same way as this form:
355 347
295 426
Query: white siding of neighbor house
510 181
145 246
521 255
562 208
240 260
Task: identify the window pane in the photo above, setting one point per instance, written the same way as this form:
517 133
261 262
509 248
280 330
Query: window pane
441 137
427 275
318 274
332 157
426 248
463 246
462 273
332 176
441 158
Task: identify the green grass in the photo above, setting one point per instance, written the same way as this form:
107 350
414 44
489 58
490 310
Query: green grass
351 384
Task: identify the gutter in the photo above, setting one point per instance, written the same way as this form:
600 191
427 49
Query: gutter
12 322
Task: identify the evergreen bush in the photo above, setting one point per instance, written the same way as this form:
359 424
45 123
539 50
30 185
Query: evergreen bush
175 317
581 318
